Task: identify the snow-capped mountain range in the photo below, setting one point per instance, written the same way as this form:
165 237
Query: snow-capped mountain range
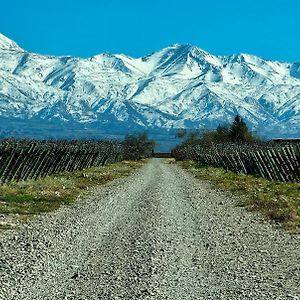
180 86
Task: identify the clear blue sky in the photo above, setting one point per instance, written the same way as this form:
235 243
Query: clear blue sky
268 28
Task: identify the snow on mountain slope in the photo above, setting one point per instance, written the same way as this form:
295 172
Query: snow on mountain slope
295 70
8 44
179 86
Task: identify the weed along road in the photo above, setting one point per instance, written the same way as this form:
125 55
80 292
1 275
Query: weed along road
157 234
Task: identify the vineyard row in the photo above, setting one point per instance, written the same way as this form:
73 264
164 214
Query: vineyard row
21 160
273 162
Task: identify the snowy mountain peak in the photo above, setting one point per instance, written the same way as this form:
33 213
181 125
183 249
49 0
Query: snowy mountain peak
110 61
8 44
183 50
180 86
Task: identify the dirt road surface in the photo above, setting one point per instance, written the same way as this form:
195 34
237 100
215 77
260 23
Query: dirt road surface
158 234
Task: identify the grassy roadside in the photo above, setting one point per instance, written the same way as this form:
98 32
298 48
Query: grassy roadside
278 201
21 200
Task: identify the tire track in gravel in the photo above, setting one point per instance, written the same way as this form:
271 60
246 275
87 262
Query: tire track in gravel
158 234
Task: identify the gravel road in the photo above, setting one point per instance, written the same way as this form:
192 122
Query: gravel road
158 234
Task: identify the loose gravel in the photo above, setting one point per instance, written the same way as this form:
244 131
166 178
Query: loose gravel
158 234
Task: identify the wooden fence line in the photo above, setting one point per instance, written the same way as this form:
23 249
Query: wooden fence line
273 162
21 160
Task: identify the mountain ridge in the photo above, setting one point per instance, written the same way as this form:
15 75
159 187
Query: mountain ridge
180 86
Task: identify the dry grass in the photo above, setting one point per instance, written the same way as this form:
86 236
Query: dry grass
27 198
278 201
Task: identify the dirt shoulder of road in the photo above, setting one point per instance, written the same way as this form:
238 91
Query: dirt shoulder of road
278 201
20 201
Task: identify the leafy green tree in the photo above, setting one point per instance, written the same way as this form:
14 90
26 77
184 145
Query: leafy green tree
222 133
239 131
137 146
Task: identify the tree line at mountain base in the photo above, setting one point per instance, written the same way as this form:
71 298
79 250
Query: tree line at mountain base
237 132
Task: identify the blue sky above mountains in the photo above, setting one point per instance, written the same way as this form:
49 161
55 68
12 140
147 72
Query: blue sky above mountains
267 28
